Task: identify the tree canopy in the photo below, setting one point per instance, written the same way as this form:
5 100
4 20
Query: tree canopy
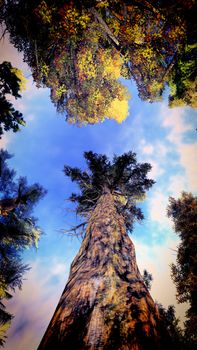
18 232
183 212
123 177
81 49
12 82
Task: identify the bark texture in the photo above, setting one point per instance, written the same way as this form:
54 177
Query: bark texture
105 304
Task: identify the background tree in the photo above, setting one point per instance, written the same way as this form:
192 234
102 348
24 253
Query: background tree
148 278
11 83
106 303
18 232
155 42
183 212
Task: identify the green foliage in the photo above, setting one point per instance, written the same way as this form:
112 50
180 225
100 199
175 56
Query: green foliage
183 212
62 43
11 83
148 278
183 82
171 324
18 232
123 177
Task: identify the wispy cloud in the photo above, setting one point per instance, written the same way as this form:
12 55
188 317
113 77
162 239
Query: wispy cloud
4 141
178 126
188 161
180 174
163 289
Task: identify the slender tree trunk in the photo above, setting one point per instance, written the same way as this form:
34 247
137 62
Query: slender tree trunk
105 304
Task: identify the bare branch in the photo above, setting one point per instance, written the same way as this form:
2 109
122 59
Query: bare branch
74 230
3 34
105 26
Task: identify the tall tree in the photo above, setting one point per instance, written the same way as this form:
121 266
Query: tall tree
106 304
183 212
18 232
12 82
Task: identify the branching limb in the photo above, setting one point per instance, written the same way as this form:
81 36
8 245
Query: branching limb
105 26
74 231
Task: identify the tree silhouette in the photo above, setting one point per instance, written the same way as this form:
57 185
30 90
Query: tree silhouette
183 212
18 232
11 83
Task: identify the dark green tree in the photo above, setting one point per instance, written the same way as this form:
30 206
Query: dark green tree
11 83
171 323
148 278
106 304
18 231
183 212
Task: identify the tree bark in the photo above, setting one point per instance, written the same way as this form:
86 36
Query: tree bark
105 304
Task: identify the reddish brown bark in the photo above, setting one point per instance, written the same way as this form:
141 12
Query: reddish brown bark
105 304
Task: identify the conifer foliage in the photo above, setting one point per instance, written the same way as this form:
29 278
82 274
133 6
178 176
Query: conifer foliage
183 212
18 231
123 177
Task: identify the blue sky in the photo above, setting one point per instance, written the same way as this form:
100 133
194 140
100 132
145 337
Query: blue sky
164 137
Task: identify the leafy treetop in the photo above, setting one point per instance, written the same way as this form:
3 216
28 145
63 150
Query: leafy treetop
71 47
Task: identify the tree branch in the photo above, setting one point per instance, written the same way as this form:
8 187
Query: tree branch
105 26
75 228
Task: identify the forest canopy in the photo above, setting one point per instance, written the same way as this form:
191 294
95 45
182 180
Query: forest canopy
80 50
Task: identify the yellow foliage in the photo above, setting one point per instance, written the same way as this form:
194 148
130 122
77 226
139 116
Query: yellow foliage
44 12
45 70
102 3
118 109
3 329
103 63
111 62
20 76
73 20
86 65
120 198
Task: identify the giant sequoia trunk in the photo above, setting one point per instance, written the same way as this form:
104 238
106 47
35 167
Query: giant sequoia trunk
105 304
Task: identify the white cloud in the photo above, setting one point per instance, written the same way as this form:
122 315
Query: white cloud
147 149
157 208
157 259
188 161
177 183
156 170
174 120
4 141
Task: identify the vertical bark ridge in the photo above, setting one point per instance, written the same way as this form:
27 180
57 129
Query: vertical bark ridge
105 304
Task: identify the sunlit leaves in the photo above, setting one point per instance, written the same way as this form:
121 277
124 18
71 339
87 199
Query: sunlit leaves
73 20
22 81
76 48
